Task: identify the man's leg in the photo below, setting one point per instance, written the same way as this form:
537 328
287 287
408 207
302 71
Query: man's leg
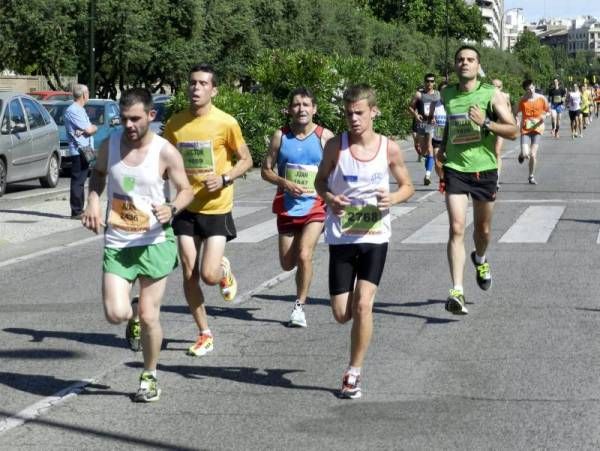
533 159
308 240
427 150
456 204
362 324
151 294
482 219
115 297
288 250
211 268
189 247
79 171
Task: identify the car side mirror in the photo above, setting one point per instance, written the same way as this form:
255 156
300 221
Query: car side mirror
115 121
18 128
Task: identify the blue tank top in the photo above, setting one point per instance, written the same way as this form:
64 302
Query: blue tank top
298 161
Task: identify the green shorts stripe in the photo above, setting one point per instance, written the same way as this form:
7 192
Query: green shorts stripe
154 261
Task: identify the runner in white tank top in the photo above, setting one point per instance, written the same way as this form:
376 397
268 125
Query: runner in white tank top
139 241
353 180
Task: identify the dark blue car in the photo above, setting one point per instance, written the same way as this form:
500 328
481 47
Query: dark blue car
103 113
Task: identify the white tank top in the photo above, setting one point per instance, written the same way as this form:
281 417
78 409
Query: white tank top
358 180
131 192
574 101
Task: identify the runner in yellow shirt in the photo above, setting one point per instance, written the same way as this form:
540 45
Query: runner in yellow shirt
209 141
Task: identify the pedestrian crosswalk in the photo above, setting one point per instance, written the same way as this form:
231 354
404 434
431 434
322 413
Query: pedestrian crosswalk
533 224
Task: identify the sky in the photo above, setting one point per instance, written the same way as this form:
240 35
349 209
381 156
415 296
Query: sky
567 9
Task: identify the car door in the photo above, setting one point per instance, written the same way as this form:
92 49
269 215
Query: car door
43 140
19 149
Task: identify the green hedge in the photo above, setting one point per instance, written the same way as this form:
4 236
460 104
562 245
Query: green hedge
277 72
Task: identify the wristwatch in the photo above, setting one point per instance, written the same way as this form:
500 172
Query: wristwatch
486 123
173 209
226 180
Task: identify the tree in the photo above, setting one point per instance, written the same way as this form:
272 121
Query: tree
40 36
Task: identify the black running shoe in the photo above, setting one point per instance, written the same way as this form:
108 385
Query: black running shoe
456 303
483 273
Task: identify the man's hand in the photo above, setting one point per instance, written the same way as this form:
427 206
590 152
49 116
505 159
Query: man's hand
293 188
383 199
213 182
476 115
92 219
162 212
338 204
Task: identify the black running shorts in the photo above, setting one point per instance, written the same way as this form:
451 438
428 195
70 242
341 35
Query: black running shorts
479 185
198 224
348 262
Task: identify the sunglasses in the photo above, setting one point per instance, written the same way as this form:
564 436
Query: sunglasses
430 81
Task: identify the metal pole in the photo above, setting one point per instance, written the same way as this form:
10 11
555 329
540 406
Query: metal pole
92 49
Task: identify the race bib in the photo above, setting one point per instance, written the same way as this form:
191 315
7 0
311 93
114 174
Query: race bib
426 108
530 123
126 217
556 100
463 130
362 219
303 175
440 125
198 157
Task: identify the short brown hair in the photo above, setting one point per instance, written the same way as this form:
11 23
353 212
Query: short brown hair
358 92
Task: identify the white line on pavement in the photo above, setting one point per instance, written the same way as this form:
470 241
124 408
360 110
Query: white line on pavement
535 225
49 251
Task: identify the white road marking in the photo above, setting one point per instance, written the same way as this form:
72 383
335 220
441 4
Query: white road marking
535 225
49 251
436 230
257 232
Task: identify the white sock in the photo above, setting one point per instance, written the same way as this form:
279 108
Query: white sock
206 332
458 288
479 260
354 370
152 372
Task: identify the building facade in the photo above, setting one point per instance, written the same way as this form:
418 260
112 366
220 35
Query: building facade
585 37
492 12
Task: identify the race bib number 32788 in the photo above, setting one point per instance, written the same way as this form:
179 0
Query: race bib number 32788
462 130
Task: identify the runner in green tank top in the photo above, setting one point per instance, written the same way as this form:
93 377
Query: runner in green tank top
476 114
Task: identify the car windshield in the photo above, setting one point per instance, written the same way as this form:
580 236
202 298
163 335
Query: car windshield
57 112
95 113
161 110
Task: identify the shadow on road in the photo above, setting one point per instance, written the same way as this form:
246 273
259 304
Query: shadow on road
247 375
33 213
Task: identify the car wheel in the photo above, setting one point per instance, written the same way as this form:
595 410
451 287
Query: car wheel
2 176
50 180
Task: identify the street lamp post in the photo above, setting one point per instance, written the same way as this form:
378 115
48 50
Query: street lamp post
502 24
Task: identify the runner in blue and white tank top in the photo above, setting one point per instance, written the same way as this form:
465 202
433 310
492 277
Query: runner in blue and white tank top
353 180
139 242
296 151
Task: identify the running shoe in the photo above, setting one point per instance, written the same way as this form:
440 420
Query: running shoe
133 331
521 158
351 386
456 303
427 180
298 318
203 345
483 273
148 391
228 283
532 180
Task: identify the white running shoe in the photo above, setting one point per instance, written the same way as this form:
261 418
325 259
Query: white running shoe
298 318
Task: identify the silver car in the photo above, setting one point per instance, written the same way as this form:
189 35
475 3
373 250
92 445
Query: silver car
29 146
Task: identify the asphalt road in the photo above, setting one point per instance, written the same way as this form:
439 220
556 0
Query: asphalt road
518 372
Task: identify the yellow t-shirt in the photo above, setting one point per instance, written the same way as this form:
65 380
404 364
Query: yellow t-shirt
207 145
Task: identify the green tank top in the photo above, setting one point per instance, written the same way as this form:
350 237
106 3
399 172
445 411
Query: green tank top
468 147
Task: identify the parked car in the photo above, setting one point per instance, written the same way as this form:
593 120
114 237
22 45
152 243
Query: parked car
160 105
103 113
51 95
29 145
